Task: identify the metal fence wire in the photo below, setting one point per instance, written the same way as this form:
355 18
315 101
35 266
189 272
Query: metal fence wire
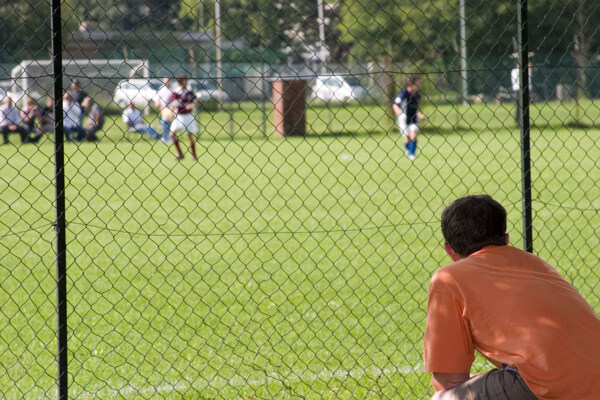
285 250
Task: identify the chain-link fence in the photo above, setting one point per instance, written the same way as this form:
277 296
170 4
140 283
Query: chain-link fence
282 248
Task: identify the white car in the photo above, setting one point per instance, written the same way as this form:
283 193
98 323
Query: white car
204 90
338 88
141 92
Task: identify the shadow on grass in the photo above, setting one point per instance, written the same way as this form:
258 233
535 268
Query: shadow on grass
309 135
580 125
463 129
446 130
459 129
344 133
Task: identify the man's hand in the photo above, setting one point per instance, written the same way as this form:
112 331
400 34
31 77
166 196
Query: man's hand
444 381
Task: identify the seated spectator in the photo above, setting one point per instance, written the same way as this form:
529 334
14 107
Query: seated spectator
132 117
71 116
10 121
513 308
30 115
77 93
47 116
95 120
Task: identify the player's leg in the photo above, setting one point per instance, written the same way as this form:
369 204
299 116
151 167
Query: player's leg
175 142
192 141
192 131
413 131
401 121
177 126
165 125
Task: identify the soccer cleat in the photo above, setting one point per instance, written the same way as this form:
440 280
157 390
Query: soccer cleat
411 157
407 153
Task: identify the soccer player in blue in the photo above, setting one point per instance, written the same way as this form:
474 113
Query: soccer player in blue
406 108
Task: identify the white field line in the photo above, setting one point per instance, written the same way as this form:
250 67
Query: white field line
239 381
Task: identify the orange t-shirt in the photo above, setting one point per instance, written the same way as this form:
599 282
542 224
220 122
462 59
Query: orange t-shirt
514 309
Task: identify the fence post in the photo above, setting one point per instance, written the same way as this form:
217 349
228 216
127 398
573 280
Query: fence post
390 89
523 44
60 223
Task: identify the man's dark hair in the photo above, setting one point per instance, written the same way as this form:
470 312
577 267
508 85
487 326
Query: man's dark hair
473 222
414 78
181 79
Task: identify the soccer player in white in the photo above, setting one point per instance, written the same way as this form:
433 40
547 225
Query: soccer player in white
182 103
163 98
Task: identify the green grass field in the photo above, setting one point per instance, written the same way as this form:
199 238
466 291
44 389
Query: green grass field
271 268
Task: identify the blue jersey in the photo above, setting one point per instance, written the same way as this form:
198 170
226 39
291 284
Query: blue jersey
409 104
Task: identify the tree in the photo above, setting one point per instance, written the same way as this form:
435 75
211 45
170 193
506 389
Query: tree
409 30
280 24
124 15
24 30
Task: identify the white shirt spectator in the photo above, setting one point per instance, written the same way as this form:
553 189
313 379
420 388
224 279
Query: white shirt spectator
71 115
164 97
132 117
515 79
9 115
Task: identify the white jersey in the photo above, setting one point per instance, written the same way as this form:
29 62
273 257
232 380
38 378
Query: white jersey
164 97
132 116
514 79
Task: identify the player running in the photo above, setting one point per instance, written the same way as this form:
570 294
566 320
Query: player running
406 108
182 103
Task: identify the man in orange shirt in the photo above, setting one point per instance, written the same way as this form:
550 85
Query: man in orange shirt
514 309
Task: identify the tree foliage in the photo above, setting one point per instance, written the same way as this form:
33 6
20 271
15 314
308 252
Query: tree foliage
409 29
374 29
267 23
24 30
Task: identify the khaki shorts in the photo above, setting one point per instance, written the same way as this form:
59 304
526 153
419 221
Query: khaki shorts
498 384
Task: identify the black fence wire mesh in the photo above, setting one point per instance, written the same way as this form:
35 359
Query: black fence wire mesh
275 237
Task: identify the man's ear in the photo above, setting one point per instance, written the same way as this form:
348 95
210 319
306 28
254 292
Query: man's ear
506 238
450 251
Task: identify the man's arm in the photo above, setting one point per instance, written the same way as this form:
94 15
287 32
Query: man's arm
448 350
444 381
397 109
